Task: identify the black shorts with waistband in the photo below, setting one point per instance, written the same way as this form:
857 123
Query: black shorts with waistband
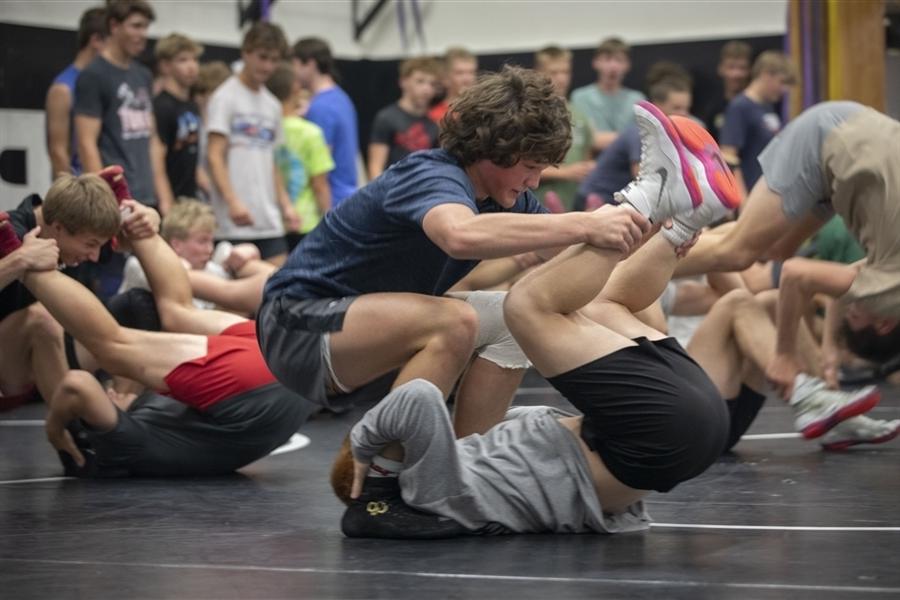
650 412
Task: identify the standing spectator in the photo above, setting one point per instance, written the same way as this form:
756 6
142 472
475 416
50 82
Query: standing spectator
303 158
607 103
460 72
244 129
332 110
734 71
559 185
210 77
751 120
404 127
113 101
177 115
618 164
61 142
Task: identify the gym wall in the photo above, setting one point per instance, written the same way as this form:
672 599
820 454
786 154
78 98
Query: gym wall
37 40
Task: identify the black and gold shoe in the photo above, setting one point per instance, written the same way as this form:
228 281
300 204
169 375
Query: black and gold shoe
380 512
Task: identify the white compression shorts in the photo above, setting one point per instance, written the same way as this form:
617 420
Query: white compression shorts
494 342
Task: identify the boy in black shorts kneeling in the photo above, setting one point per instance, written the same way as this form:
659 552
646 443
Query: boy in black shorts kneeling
652 417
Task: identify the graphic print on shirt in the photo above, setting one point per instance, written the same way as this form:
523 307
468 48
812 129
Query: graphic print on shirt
188 132
772 122
414 138
135 112
292 171
252 130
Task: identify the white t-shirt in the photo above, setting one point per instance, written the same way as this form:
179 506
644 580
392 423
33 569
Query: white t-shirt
251 120
134 277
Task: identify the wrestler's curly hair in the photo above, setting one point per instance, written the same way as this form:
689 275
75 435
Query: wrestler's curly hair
507 117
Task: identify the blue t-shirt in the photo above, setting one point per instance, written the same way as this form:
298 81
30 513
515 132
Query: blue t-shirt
613 169
749 127
374 242
68 78
333 111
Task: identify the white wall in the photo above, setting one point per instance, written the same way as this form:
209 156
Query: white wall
23 130
484 26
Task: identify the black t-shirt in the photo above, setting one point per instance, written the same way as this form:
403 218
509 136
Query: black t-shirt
405 133
714 113
178 126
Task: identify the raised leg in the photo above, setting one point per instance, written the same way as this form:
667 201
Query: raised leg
425 337
146 357
172 291
31 344
734 343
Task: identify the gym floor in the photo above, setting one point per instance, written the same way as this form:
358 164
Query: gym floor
779 518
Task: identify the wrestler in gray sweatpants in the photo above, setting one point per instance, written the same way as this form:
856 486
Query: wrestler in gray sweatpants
527 474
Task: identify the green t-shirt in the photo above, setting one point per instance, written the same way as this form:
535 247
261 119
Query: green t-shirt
303 155
582 140
834 242
606 112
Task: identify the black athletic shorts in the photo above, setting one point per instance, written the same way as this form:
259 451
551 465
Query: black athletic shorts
650 412
290 332
161 437
742 411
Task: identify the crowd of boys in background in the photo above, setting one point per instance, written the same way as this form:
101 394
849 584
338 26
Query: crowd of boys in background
271 142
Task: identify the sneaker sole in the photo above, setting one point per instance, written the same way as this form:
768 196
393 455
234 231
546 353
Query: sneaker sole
844 444
687 175
854 409
701 144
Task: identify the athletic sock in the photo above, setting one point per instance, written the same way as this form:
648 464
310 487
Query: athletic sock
9 241
384 467
114 176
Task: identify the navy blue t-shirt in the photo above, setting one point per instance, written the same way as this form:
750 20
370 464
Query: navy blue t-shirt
749 127
613 169
374 241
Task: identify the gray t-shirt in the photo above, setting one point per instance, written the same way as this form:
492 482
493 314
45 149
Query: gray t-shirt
251 120
792 162
122 100
527 474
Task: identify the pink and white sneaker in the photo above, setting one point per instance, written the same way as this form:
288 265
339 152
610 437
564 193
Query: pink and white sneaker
666 184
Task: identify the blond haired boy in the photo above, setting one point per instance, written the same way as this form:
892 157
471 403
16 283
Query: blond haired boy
70 225
190 229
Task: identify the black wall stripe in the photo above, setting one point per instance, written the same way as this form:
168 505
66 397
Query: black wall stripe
33 56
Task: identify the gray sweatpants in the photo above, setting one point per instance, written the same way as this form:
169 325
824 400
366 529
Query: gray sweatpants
527 474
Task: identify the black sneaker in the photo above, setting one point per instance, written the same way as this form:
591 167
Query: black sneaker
380 512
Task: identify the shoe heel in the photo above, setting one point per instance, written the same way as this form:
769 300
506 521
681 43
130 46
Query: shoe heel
701 144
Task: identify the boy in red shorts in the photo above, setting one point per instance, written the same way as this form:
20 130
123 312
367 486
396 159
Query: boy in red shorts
221 407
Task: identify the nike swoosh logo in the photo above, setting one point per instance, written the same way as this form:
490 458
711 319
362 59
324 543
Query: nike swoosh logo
664 176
